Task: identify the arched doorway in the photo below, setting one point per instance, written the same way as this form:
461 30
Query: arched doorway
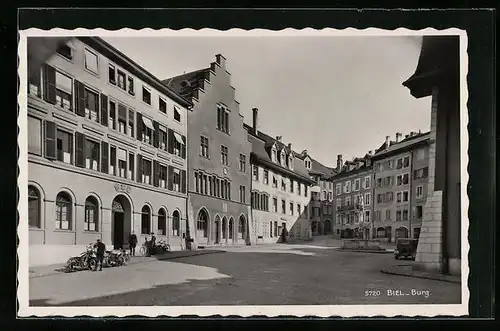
401 232
224 228
121 220
388 233
217 229
202 224
231 229
241 227
328 227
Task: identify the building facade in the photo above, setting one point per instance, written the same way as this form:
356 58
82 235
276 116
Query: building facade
106 144
321 202
401 174
280 189
353 201
438 75
218 157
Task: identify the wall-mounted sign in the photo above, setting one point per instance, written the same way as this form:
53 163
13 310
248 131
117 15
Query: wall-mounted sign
119 187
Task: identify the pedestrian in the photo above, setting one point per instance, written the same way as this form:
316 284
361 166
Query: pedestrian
284 234
132 242
153 244
100 249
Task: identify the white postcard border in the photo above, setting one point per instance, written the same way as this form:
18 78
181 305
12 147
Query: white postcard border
24 310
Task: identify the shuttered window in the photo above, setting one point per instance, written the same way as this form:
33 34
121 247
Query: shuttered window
34 135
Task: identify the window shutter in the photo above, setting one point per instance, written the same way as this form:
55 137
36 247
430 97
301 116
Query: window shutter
104 157
170 177
80 150
183 181
49 84
139 168
139 126
50 140
170 141
156 134
79 98
156 173
183 148
104 109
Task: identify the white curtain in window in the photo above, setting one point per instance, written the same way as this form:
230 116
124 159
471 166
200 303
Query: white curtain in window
63 82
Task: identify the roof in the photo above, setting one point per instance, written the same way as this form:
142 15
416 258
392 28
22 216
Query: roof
403 145
366 166
121 59
261 143
317 168
187 83
439 59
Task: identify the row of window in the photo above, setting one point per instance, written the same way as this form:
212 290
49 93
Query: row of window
357 199
402 179
213 186
117 77
64 214
402 196
401 215
227 226
85 152
286 184
355 185
400 163
224 154
353 218
260 201
110 113
284 160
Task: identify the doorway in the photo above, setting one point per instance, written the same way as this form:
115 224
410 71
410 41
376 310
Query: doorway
118 229
217 232
121 222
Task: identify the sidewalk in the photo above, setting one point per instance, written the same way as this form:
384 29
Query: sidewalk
48 270
408 270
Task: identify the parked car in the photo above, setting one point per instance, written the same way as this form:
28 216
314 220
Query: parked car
406 248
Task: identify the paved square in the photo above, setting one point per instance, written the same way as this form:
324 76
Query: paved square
265 275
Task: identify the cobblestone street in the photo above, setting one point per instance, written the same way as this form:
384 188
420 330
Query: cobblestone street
265 275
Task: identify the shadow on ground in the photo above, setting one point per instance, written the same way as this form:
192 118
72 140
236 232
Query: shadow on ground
283 279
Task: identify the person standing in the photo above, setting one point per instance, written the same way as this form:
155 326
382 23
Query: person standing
284 234
153 244
132 241
100 249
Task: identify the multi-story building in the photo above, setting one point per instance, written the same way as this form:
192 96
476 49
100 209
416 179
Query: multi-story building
280 188
353 200
321 202
107 150
401 173
218 157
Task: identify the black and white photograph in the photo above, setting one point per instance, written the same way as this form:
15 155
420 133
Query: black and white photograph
294 172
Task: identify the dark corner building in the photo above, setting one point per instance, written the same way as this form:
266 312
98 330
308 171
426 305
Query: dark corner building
437 75
218 157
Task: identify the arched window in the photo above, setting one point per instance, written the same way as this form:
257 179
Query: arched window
162 222
202 224
145 220
241 227
224 228
34 207
176 223
91 214
283 159
230 230
63 211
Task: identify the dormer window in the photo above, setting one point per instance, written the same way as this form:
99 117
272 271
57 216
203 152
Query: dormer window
307 163
283 159
290 162
274 155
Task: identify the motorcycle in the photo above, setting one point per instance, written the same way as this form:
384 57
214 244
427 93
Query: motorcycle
86 260
115 258
163 246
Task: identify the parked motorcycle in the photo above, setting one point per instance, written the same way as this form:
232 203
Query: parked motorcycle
163 246
86 260
114 258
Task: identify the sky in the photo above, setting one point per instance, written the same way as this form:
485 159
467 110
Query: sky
328 94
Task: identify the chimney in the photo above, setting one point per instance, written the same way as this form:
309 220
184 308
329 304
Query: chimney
290 147
398 136
387 141
370 152
255 120
419 131
339 162
221 60
278 138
